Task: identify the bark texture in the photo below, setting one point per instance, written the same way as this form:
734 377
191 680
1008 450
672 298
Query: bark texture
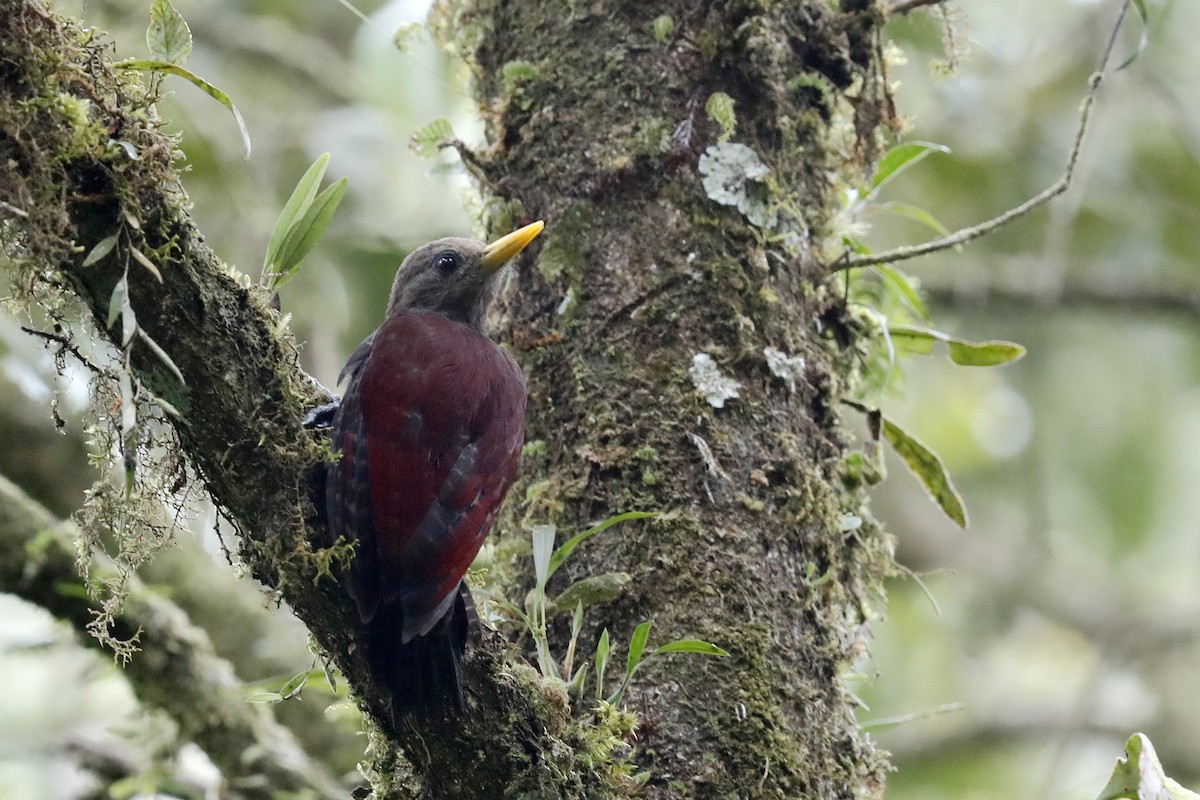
598 122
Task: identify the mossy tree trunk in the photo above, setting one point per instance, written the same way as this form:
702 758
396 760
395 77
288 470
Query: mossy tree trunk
596 114
598 125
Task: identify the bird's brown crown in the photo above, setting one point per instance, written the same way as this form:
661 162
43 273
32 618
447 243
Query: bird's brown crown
454 277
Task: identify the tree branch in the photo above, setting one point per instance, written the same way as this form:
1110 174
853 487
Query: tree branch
176 670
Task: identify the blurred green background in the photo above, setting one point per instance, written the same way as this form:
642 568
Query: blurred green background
1070 609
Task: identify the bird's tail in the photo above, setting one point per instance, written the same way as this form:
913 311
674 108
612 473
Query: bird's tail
424 675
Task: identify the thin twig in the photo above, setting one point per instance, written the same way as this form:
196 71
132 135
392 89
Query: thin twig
64 344
897 7
1058 187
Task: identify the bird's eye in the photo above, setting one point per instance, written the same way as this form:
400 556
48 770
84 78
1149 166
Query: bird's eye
447 262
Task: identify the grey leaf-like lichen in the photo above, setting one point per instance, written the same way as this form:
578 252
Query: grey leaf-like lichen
709 381
733 175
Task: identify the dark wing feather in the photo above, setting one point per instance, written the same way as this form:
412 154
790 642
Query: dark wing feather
444 411
348 486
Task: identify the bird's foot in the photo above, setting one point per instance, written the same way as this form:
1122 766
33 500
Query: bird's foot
321 417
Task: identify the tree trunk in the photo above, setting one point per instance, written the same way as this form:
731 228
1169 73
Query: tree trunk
598 124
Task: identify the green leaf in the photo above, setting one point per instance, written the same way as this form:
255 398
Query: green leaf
664 26
929 469
168 36
140 257
117 301
601 662
162 356
102 248
637 645
1144 40
590 591
203 85
294 685
916 214
900 158
543 548
1140 776
962 351
307 231
128 319
720 107
426 139
691 646
904 285
568 547
265 697
294 208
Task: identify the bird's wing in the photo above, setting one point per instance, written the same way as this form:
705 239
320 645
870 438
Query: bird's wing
348 487
444 410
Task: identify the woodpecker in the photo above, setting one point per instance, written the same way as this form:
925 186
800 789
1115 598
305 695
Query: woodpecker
429 434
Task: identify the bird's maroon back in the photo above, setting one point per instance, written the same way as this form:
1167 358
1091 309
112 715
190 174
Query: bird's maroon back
430 433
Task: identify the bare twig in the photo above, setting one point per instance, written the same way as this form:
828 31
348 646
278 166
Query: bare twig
897 7
1058 187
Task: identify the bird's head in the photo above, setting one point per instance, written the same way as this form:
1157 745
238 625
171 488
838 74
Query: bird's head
453 277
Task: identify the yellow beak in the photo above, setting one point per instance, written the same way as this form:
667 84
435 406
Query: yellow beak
501 251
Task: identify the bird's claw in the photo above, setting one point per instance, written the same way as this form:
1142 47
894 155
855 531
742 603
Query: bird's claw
321 417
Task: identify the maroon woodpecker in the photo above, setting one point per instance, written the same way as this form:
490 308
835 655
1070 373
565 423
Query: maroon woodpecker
430 433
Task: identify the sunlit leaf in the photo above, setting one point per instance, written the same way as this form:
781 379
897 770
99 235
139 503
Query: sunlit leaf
691 646
203 85
929 469
601 662
295 208
168 36
102 248
900 158
307 231
962 351
294 685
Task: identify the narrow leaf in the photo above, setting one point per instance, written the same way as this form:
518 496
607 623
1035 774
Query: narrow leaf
1144 39
929 469
691 646
305 234
543 546
590 591
102 248
916 214
962 351
637 645
200 83
128 319
425 140
568 547
117 301
294 208
900 158
162 356
984 354
904 285
168 36
601 662
140 257
294 685
265 697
